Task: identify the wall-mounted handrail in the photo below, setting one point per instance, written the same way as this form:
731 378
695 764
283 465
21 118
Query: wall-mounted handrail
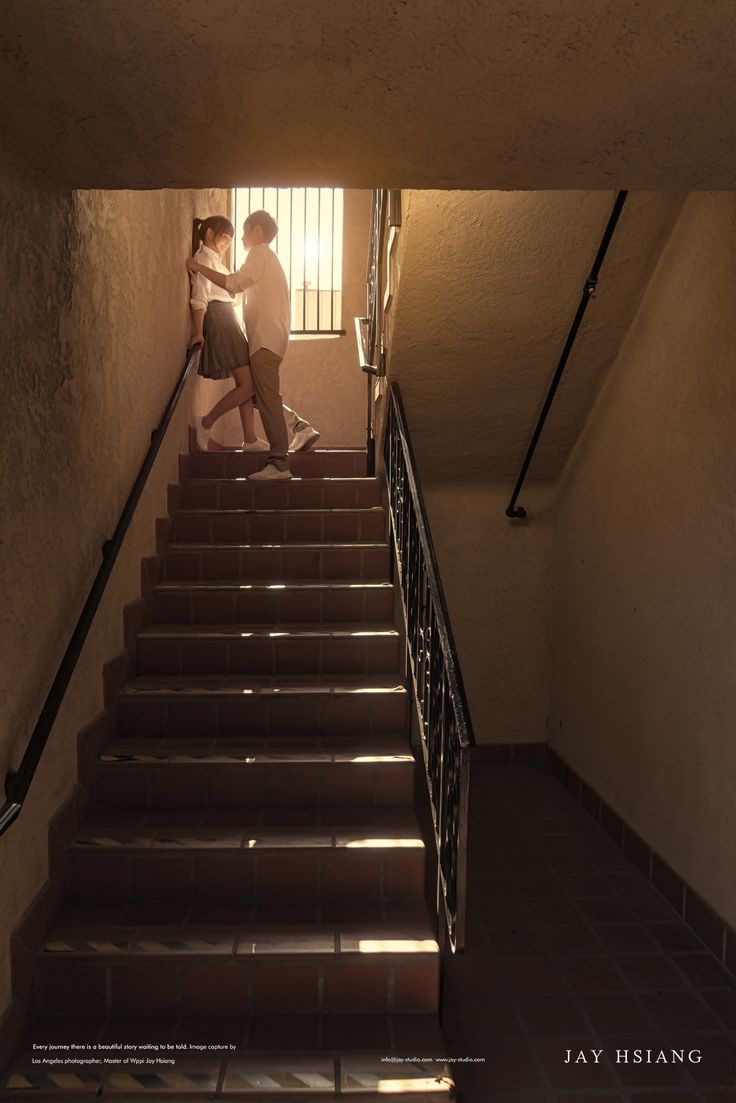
18 781
442 709
512 510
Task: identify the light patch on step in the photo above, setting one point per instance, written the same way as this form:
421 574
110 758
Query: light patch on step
374 758
350 944
373 844
278 1081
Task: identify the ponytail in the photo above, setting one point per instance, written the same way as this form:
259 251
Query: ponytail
216 222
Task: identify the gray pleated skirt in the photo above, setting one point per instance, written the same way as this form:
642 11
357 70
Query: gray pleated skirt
225 346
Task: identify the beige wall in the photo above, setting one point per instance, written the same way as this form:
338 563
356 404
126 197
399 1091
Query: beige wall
465 94
644 682
497 581
489 285
96 309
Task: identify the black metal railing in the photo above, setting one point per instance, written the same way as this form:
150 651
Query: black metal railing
512 510
18 781
442 710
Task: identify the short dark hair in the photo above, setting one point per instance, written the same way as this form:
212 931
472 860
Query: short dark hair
266 221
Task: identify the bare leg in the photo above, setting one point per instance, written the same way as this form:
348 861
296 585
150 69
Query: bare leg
243 391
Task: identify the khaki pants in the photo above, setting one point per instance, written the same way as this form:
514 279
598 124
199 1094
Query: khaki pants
264 367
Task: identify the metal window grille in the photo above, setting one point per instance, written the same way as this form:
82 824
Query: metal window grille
309 246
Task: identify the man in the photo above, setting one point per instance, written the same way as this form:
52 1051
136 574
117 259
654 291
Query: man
267 316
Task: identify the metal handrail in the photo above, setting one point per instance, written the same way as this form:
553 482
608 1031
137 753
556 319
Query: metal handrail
17 782
439 693
512 510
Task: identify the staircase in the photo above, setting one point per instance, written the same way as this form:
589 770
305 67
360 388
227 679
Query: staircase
245 914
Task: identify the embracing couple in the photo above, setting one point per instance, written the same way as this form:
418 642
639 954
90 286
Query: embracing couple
253 362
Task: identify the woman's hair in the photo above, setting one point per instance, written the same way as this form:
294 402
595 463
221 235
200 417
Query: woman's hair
216 222
266 221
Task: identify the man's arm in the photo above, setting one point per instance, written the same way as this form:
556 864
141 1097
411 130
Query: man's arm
239 281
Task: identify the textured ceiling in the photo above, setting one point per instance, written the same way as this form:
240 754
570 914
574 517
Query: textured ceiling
456 94
489 285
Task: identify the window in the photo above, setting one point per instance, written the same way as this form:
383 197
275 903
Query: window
309 246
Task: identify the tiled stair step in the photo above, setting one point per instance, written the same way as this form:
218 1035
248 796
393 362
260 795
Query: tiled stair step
273 604
231 971
242 493
218 705
257 650
315 464
135 774
321 1073
123 859
277 563
291 526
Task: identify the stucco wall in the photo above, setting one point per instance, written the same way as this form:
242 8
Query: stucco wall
96 322
489 285
644 682
497 581
442 93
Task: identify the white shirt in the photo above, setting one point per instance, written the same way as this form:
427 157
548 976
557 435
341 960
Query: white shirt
203 291
266 310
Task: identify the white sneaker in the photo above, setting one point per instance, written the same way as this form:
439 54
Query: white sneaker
256 445
203 435
270 471
303 439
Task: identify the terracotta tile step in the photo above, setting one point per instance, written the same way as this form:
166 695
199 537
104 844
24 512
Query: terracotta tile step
293 526
320 463
384 913
322 1069
232 971
118 861
253 650
243 493
277 563
364 603
222 706
136 774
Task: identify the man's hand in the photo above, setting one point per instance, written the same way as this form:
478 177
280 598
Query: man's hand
197 339
192 266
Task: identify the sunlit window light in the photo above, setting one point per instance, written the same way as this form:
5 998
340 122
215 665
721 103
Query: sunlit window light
309 246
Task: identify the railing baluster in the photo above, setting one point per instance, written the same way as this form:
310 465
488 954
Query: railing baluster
442 713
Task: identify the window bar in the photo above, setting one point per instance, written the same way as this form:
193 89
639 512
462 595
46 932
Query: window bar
332 264
304 270
291 245
278 196
319 245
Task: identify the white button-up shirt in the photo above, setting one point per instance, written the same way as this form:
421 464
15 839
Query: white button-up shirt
203 291
266 309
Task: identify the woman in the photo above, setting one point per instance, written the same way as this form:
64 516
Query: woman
218 330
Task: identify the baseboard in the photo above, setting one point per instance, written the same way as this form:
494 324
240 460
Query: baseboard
711 928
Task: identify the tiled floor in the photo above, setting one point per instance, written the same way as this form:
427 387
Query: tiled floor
570 948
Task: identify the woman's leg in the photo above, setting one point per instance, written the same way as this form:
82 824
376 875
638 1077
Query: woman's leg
242 392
